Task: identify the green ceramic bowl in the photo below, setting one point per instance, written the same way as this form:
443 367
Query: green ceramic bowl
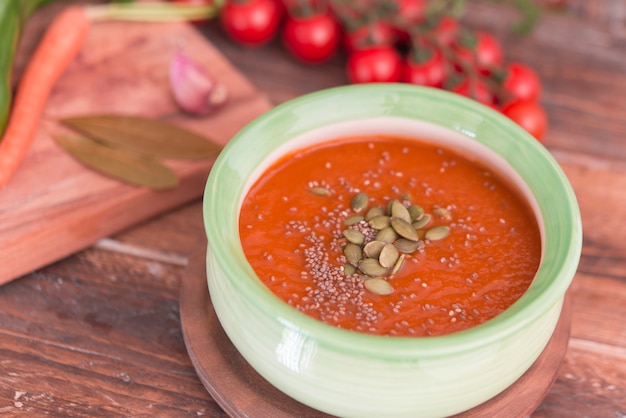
357 375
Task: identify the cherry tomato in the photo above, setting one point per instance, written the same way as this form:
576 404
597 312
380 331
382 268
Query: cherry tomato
529 115
251 22
368 35
489 53
446 30
408 13
521 83
475 89
482 50
411 11
375 64
425 71
313 38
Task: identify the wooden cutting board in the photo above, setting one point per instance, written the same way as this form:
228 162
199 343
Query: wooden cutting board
54 206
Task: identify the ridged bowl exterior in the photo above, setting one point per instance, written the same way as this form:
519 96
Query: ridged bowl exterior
350 374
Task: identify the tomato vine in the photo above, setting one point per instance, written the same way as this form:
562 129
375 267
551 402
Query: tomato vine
413 41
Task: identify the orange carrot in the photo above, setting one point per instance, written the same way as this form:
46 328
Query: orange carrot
57 49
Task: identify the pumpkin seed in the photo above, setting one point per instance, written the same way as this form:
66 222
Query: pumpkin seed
423 221
416 212
387 235
378 286
353 220
388 256
354 236
401 231
399 263
373 212
349 269
359 202
319 191
380 222
398 210
371 267
389 204
404 229
437 232
353 253
373 248
407 246
442 213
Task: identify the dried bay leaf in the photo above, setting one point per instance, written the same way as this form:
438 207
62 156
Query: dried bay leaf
130 167
144 135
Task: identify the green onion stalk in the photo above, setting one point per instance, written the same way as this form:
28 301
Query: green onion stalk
13 17
15 13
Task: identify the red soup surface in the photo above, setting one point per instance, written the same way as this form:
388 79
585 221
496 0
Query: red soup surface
390 236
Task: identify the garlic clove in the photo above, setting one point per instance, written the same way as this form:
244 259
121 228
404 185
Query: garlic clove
195 90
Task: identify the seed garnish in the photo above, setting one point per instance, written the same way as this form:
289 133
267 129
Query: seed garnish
320 191
371 267
399 211
359 202
442 213
373 212
380 222
396 231
407 246
378 286
354 236
416 212
373 248
404 229
349 270
398 264
353 220
437 232
388 256
387 235
353 253
423 221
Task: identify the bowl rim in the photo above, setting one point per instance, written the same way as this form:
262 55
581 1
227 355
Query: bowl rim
561 252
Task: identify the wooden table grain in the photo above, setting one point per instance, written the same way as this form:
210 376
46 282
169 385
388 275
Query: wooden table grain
98 334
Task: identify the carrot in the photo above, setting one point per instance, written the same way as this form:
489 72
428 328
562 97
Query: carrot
56 50
60 44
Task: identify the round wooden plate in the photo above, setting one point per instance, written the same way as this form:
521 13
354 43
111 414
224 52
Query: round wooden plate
242 392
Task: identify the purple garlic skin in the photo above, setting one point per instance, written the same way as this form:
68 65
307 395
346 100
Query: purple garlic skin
194 88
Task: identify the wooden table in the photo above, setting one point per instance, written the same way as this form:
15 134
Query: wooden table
99 333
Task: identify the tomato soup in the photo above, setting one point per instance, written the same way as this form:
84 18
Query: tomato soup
390 236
